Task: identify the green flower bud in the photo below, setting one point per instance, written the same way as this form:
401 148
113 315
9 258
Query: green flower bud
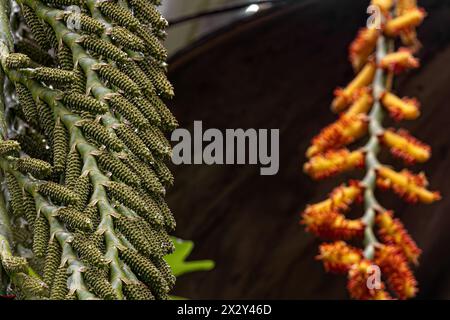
127 39
17 60
158 77
109 162
29 209
119 15
121 105
53 75
149 179
99 285
145 270
15 193
32 287
60 146
59 288
148 14
87 23
36 27
155 140
28 105
14 264
74 219
136 290
169 220
146 109
36 167
164 174
169 122
153 45
58 193
73 168
41 236
88 250
52 262
166 271
81 102
101 47
64 55
134 143
9 147
46 119
100 134
117 78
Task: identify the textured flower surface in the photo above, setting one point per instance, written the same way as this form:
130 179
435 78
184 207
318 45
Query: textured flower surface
380 270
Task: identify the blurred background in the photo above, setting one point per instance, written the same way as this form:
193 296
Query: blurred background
239 64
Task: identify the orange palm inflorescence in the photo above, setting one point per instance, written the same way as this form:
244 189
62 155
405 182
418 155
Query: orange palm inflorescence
387 248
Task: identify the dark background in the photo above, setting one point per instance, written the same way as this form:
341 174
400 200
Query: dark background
278 69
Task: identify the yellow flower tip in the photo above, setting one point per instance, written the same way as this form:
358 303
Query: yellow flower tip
404 146
399 109
342 132
338 257
410 187
358 277
384 5
396 271
333 162
363 46
409 20
344 96
339 199
362 103
400 61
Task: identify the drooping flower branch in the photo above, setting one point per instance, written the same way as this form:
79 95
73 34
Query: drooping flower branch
362 106
90 86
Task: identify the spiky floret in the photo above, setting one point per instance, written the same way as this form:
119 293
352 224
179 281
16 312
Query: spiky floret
127 39
83 187
119 170
15 193
75 219
145 269
128 111
163 172
120 15
134 234
81 102
41 236
53 75
99 285
88 251
136 290
36 167
130 198
169 220
339 257
153 46
52 261
358 278
80 80
158 234
36 27
134 143
9 147
100 134
166 271
59 288
91 211
101 47
117 78
58 193
17 60
60 146
27 103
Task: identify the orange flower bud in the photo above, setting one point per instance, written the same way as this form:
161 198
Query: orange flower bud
333 162
400 109
363 79
338 257
405 146
392 231
357 285
399 61
344 131
410 187
407 21
332 225
395 269
363 103
340 198
384 5
363 46
403 6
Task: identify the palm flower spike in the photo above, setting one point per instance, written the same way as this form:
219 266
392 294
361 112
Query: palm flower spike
361 106
93 206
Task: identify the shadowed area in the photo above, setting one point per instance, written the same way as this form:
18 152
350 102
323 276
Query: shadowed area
279 70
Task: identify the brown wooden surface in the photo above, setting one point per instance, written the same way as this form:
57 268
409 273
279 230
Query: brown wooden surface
279 71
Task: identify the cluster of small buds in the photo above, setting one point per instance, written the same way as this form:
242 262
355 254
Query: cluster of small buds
388 248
